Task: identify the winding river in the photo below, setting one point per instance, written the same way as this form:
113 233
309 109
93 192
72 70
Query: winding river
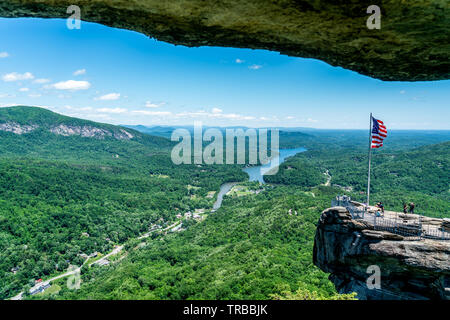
256 173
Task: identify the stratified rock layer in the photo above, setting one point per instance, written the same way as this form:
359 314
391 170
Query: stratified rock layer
345 248
412 44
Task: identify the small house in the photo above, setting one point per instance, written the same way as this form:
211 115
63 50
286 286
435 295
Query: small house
103 262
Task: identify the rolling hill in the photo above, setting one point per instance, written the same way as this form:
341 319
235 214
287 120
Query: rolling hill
63 178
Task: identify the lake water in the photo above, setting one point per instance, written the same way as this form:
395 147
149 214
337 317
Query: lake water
223 191
257 173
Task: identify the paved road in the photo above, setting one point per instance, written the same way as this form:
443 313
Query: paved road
117 249
43 283
105 257
327 174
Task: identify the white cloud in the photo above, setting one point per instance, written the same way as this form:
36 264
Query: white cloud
271 118
239 61
79 72
4 55
255 67
71 85
289 117
112 110
41 81
24 89
6 105
78 108
311 120
21 104
215 113
14 76
108 97
7 95
34 95
151 113
150 104
100 116
402 91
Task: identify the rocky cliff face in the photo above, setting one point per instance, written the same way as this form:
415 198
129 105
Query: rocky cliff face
68 130
410 269
16 128
90 132
411 45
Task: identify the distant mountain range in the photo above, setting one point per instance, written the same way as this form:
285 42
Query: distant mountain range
166 131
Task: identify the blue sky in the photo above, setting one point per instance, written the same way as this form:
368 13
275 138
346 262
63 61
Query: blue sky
123 77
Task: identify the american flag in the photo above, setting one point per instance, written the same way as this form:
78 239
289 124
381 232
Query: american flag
379 132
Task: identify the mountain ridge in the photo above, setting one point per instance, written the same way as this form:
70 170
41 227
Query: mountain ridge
38 132
24 119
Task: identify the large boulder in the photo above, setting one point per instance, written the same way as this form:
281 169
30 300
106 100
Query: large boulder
410 269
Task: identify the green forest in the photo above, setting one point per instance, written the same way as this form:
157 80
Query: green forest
55 190
250 249
418 175
64 197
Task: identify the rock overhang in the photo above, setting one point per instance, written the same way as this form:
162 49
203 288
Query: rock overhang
413 43
409 268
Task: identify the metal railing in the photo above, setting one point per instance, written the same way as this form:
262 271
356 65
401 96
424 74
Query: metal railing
410 230
411 226
346 202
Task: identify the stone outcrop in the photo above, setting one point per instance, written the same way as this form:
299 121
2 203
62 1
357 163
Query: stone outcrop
410 269
123 135
17 128
84 131
411 45
90 132
68 130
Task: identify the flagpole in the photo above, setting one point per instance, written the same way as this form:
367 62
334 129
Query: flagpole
370 159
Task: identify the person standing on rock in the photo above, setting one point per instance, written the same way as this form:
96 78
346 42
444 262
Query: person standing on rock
411 207
405 208
381 206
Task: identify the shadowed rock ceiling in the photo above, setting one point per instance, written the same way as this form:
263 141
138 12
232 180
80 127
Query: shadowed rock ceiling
413 43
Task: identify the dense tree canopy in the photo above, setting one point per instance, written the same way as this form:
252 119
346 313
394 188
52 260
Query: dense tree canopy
65 196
